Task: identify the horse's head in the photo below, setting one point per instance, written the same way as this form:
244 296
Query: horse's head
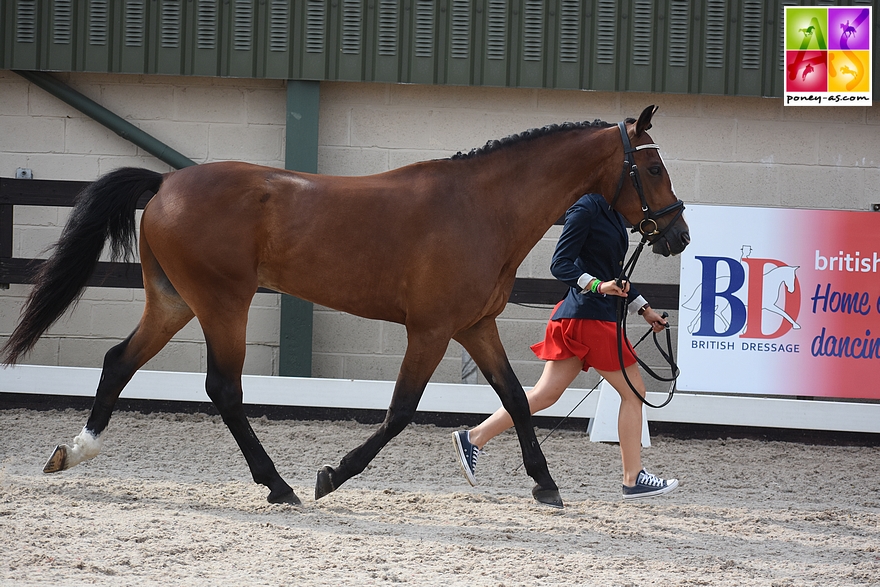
644 194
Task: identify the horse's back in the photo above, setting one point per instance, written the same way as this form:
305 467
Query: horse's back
367 245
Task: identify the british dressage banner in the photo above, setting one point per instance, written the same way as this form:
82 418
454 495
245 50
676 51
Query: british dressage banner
780 302
827 56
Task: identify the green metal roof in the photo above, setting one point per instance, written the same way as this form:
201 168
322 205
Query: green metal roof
728 47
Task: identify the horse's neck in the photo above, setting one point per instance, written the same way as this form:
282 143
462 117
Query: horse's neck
539 181
523 189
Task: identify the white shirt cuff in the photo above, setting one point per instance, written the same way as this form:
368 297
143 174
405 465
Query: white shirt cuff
584 281
636 304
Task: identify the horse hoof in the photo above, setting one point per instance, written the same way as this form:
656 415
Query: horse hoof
288 497
324 484
549 497
58 461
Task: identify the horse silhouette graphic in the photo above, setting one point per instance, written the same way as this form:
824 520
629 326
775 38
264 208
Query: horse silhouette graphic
774 280
808 69
848 30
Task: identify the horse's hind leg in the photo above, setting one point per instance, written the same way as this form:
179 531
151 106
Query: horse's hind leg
225 336
164 314
423 354
484 345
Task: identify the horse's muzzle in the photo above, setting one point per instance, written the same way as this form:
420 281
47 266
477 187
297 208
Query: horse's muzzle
672 243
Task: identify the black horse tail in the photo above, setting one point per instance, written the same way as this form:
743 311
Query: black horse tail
103 210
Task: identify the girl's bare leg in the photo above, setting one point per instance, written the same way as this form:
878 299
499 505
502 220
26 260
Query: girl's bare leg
629 420
557 376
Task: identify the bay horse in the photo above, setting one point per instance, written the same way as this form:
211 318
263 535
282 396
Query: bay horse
434 246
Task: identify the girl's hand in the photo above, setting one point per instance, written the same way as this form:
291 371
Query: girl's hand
610 288
657 322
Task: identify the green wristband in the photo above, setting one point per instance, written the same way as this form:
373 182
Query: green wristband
594 287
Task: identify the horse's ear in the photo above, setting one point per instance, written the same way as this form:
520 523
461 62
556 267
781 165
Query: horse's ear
644 122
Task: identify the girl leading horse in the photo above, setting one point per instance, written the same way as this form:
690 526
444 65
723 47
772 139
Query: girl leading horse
433 246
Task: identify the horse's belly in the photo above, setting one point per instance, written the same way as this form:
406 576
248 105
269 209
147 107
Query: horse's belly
341 291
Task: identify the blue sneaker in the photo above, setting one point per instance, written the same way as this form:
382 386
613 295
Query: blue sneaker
467 455
648 485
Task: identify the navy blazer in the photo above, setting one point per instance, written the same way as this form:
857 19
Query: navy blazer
594 240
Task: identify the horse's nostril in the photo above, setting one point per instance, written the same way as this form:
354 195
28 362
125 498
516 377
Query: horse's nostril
685 238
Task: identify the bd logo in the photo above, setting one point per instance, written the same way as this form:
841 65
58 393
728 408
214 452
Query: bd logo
757 298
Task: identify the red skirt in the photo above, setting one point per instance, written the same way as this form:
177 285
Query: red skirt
593 341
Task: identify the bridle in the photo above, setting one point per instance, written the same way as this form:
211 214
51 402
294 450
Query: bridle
651 233
648 227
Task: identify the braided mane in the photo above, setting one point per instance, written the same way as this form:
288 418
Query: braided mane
528 135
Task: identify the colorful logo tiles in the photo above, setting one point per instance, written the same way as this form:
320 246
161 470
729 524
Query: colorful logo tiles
827 56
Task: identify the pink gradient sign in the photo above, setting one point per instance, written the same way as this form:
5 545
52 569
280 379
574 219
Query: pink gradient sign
781 302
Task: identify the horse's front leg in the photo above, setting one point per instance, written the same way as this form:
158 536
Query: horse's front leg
484 345
423 354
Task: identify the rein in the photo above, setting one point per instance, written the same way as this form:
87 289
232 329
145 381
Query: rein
648 228
666 354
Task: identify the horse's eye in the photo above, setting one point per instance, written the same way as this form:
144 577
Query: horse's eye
654 170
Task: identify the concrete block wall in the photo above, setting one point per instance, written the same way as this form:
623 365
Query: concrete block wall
725 150
728 150
206 119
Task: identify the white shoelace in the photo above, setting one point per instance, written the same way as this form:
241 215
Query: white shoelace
477 452
646 478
